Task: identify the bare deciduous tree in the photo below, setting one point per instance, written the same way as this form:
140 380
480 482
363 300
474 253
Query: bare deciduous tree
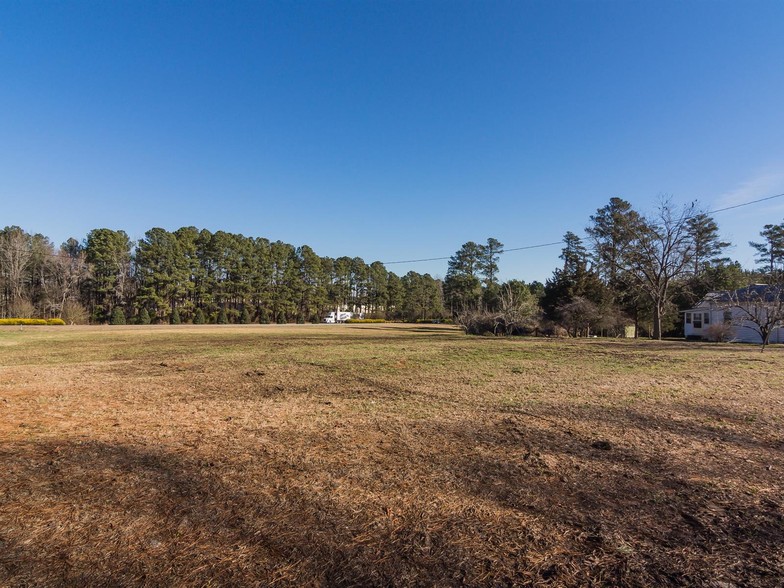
15 256
578 316
517 312
759 308
660 252
66 270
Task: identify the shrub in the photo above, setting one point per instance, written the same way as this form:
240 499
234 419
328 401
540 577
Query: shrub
476 322
367 320
23 309
502 322
718 332
118 316
31 321
198 318
75 314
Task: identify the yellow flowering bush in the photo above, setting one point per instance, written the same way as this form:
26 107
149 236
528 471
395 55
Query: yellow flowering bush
31 321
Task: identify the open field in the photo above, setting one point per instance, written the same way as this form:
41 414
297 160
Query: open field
376 455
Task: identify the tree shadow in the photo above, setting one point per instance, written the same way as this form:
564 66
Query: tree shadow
98 514
630 511
510 498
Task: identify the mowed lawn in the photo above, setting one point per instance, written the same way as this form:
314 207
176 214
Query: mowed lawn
386 455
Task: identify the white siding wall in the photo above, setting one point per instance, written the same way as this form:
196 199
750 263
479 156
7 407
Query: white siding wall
741 332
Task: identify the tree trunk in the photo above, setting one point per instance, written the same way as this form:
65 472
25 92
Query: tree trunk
657 330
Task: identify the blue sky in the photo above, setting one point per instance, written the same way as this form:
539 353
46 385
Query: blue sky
388 130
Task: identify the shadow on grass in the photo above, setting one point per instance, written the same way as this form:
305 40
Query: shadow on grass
505 499
635 512
95 514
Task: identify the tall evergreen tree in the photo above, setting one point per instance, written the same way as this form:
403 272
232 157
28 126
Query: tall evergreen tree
163 272
575 285
462 286
611 232
488 260
467 261
423 298
395 296
770 252
574 254
109 257
708 246
377 287
315 281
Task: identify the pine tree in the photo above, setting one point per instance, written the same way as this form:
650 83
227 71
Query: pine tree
245 317
109 254
144 317
198 318
118 316
488 260
462 287
708 246
263 316
770 253
222 318
174 319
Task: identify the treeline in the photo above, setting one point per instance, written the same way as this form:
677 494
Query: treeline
630 271
192 275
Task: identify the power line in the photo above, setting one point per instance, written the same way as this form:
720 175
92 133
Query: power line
746 203
540 245
533 246
559 242
449 256
415 260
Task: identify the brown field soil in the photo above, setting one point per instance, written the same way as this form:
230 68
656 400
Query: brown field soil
386 455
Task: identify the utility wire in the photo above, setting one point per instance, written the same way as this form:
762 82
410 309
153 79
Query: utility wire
529 246
449 256
559 242
746 203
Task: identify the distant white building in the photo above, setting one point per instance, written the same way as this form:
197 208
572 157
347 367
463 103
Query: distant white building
733 309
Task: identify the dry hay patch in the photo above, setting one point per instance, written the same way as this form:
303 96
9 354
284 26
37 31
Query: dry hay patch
390 461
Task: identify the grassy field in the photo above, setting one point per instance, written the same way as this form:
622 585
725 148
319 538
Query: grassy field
378 455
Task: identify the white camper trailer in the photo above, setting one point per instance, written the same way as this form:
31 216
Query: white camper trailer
337 317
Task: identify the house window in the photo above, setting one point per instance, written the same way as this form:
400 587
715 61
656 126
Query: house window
727 316
688 318
706 320
697 320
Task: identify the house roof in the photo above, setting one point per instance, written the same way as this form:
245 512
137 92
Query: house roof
752 293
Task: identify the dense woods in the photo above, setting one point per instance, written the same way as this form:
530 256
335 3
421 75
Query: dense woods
630 271
192 275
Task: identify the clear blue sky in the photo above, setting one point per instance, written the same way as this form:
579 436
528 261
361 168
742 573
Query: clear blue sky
388 130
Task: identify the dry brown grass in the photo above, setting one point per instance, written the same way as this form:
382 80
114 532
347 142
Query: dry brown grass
377 455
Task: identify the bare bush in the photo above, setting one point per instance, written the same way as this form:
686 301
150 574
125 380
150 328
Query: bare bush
719 332
22 308
516 316
74 313
476 322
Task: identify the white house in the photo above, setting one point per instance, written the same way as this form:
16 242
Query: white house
734 309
